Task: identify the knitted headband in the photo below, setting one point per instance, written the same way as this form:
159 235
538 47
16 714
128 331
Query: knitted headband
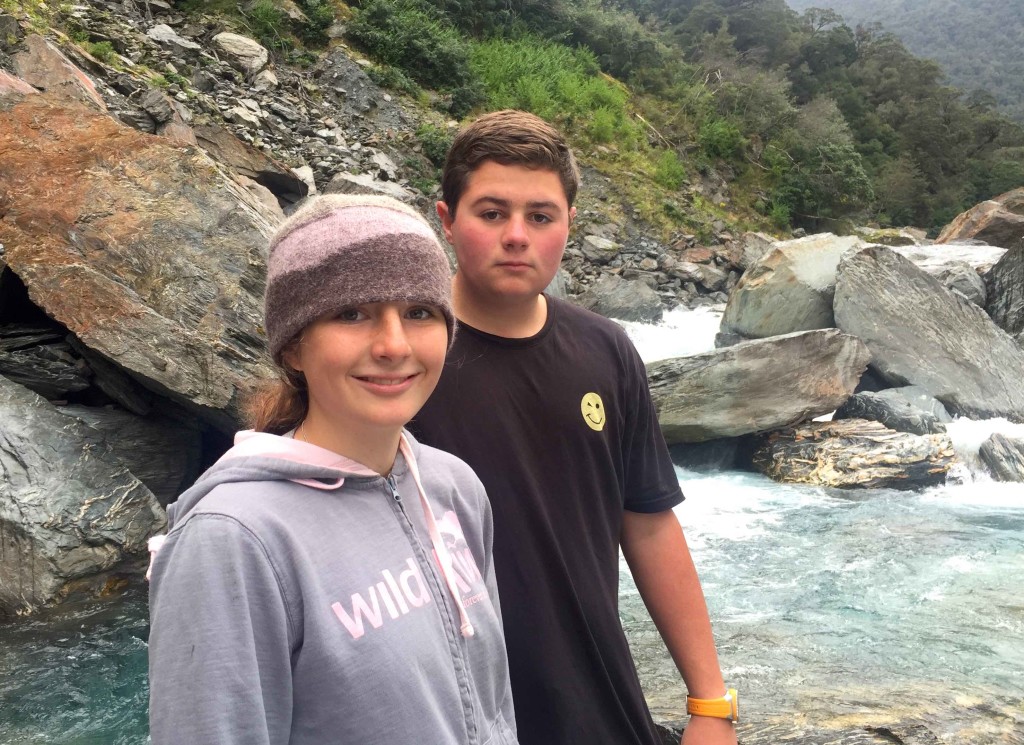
338 251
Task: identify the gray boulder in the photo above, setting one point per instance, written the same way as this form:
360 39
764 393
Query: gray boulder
70 511
891 409
163 452
628 300
961 277
153 257
241 52
755 386
854 453
922 334
789 289
1005 283
599 250
1004 457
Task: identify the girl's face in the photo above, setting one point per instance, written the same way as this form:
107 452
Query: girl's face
370 368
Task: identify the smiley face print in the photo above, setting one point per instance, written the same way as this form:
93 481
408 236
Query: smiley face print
593 411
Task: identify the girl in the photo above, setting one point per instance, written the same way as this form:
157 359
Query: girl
329 579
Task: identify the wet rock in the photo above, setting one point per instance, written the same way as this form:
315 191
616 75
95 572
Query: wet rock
998 222
1004 457
45 67
854 453
755 386
920 333
1005 282
789 289
961 277
893 410
151 256
70 511
161 451
48 369
889 236
628 300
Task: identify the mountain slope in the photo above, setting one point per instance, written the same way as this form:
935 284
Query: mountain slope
977 42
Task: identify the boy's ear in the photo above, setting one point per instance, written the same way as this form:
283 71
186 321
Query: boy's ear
446 219
572 215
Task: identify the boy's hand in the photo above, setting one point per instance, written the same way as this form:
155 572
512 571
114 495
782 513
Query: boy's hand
709 731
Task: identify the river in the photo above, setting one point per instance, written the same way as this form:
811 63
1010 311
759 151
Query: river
835 611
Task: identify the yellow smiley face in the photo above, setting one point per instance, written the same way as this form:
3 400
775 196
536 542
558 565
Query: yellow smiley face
593 411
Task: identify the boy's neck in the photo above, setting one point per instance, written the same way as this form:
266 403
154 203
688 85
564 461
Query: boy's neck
511 318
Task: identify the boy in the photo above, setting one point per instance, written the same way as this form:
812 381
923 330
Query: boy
549 405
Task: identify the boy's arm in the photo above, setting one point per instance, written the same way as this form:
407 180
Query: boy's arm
659 559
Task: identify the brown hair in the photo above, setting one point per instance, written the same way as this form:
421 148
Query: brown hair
279 406
508 137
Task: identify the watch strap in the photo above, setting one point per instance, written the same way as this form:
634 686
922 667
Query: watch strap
726 707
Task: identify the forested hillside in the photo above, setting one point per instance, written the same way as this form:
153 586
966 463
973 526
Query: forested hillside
701 113
977 42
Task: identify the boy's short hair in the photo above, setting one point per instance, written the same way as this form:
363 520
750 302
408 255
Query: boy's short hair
508 137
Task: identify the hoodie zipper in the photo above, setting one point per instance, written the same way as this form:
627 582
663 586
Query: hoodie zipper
393 486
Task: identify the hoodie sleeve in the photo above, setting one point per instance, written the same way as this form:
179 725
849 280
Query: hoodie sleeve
220 641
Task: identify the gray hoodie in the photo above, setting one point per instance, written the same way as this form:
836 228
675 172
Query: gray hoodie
299 598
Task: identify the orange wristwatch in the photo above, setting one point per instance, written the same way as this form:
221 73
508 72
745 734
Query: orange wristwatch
726 707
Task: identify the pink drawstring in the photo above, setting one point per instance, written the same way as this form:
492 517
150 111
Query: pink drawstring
440 550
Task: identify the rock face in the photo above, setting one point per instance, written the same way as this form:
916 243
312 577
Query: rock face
1005 283
892 409
1004 457
246 55
45 67
627 300
148 253
922 334
69 510
999 222
789 289
755 386
854 453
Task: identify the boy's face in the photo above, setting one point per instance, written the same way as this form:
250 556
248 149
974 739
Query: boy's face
509 231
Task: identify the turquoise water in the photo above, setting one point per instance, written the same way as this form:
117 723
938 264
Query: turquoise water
78 677
847 609
837 609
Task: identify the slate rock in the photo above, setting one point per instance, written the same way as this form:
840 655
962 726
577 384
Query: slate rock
855 453
789 289
920 333
755 386
628 300
151 256
892 410
1005 282
1004 457
70 511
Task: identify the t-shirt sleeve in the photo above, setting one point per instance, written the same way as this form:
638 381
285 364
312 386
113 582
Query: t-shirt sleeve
219 649
650 479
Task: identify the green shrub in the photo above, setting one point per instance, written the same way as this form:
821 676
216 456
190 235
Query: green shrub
720 138
414 37
387 76
668 171
268 25
554 82
435 142
103 51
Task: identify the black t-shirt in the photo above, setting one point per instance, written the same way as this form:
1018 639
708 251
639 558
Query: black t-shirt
561 429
